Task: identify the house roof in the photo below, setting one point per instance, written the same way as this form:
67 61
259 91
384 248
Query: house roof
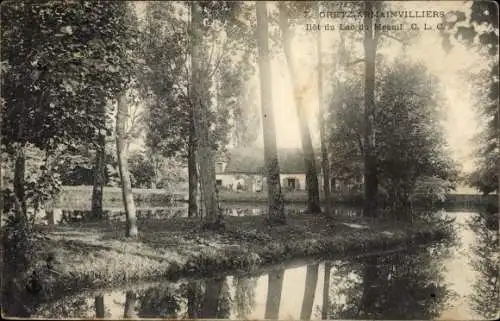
250 160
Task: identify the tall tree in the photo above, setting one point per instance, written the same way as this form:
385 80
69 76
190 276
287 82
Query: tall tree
370 162
275 201
325 164
99 169
168 43
165 42
305 134
212 298
122 155
200 107
410 137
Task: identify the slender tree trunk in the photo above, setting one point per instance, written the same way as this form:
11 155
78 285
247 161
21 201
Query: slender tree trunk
305 134
23 96
326 292
309 291
99 177
99 306
370 173
192 172
274 289
325 164
121 149
130 302
276 210
19 182
205 153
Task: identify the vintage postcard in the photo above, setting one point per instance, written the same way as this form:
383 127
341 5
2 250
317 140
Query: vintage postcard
252 160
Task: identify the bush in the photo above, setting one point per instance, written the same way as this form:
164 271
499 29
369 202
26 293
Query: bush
21 243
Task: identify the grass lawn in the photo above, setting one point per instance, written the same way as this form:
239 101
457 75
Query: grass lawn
96 255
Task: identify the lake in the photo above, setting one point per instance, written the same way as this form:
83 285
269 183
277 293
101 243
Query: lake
456 279
178 209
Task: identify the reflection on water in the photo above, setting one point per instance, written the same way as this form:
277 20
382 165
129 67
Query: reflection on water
404 285
274 290
430 282
485 299
68 216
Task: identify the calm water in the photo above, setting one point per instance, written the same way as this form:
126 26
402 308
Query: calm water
446 280
68 216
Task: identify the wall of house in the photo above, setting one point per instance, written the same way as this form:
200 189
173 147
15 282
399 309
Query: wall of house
248 182
255 183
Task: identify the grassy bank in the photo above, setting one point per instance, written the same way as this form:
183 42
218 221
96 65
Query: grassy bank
94 256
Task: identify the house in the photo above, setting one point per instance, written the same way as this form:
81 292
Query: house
243 170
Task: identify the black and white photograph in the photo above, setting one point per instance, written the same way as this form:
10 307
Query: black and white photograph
249 160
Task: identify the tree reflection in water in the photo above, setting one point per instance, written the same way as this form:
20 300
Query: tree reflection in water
309 291
326 291
274 289
403 285
217 299
244 296
130 311
161 301
66 308
485 260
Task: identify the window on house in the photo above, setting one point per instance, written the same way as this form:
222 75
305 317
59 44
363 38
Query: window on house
291 183
218 182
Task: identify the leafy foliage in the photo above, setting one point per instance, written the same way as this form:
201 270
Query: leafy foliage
167 42
63 61
410 139
375 289
246 118
485 261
